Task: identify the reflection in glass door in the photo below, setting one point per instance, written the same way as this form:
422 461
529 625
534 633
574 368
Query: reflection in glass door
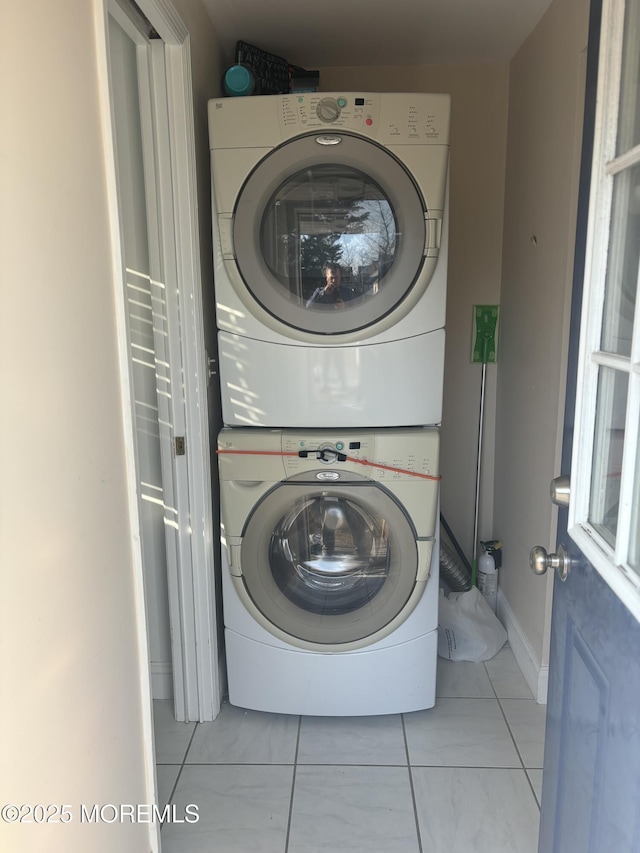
329 214
330 555
351 206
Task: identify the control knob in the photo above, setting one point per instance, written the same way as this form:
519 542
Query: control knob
328 110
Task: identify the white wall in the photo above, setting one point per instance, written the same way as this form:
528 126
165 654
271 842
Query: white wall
545 124
479 96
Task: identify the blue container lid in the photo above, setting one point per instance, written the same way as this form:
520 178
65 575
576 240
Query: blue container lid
239 80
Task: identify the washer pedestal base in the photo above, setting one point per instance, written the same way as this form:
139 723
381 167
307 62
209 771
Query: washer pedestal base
391 680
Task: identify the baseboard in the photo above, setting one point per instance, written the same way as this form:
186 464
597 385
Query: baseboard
161 680
536 675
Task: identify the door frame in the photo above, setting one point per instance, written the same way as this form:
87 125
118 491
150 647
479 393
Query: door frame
192 590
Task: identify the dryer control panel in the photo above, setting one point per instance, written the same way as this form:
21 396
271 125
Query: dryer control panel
389 118
407 119
316 111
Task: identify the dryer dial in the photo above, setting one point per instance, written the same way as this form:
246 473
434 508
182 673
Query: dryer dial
328 110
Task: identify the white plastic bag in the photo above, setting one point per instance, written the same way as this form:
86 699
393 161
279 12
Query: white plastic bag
467 627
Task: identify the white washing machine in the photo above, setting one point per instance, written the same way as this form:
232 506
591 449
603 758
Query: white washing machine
330 569
357 179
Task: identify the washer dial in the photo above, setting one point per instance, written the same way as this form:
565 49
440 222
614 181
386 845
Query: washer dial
328 110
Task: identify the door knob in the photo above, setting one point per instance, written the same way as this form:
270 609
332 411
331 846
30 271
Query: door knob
540 561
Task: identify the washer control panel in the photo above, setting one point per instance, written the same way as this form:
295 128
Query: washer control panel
303 451
270 455
375 455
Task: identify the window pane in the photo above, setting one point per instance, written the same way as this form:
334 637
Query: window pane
611 410
335 215
629 121
622 263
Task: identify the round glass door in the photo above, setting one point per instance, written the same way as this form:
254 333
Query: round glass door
329 566
329 238
330 555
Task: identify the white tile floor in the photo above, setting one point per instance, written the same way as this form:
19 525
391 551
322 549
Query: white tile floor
463 777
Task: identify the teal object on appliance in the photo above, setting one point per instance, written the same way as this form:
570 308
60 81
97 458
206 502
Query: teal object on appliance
239 80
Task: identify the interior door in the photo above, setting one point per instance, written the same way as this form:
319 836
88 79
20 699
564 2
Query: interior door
156 256
143 298
138 97
591 776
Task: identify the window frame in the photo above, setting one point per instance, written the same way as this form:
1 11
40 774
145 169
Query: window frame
610 561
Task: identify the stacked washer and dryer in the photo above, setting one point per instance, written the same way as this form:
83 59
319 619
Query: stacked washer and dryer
328 458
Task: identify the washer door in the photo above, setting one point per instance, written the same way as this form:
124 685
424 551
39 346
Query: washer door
329 565
330 198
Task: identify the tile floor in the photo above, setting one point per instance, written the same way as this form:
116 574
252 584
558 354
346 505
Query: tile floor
462 777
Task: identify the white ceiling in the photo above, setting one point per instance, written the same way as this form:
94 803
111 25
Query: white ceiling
378 32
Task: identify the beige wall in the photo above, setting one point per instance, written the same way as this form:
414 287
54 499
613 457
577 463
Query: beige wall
545 110
478 150
72 704
73 668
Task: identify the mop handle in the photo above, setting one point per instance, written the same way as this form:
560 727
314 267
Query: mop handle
474 563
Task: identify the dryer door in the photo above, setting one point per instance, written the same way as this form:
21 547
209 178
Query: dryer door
329 564
332 198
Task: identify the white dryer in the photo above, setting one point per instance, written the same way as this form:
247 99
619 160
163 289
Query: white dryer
330 569
358 179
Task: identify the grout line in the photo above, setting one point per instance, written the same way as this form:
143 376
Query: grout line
499 767
173 791
349 764
411 786
182 765
533 790
535 797
240 764
293 786
495 693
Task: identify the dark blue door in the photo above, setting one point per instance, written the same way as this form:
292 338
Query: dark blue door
591 783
